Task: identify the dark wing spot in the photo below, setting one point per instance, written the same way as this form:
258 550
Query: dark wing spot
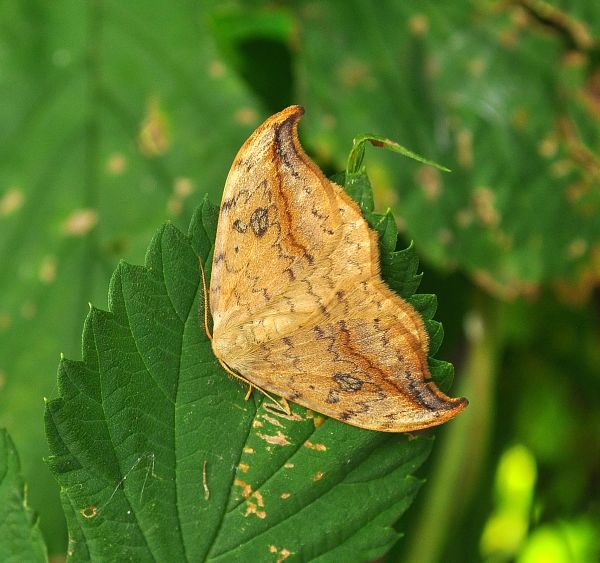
348 382
259 221
240 226
333 397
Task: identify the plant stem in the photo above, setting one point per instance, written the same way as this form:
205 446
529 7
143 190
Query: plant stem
463 444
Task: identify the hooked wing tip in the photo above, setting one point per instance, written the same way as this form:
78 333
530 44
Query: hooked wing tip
292 112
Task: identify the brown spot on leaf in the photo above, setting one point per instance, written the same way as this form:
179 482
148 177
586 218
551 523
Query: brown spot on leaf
251 508
80 222
246 488
318 420
89 512
116 164
272 420
280 439
318 476
11 201
318 447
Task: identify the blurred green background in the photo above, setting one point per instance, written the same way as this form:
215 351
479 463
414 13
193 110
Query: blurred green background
115 116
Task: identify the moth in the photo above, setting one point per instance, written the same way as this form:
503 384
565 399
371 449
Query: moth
298 304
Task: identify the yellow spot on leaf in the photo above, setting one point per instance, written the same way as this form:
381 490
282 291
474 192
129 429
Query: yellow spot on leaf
246 488
476 66
548 146
276 411
256 423
89 512
428 179
289 466
464 145
272 420
216 69
561 168
205 482
11 201
248 450
5 321
183 187
418 24
354 72
285 495
116 164
246 116
154 138
506 289
445 236
283 554
251 508
484 200
174 206
255 508
318 420
318 447
318 476
577 248
47 271
244 467
80 222
279 439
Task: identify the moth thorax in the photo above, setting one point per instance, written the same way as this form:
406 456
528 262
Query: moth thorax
228 345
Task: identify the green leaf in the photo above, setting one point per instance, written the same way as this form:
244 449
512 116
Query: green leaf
399 268
20 537
159 456
462 84
357 153
78 80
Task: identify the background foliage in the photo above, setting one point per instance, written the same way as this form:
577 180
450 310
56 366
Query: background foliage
118 115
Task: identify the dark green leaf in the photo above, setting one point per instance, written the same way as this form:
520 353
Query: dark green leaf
159 456
20 537
510 107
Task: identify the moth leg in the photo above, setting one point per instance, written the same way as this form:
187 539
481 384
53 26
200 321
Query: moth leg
284 407
206 304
